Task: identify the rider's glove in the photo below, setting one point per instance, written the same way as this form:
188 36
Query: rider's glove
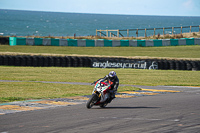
93 82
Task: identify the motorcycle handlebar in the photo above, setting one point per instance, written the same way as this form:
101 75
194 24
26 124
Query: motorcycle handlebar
96 81
93 83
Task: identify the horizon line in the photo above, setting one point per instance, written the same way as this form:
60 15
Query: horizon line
98 13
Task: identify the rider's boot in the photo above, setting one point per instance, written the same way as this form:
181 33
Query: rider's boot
112 96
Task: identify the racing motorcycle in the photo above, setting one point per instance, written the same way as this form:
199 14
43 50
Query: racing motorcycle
100 95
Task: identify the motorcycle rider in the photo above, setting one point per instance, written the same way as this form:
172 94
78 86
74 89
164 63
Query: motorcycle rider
114 82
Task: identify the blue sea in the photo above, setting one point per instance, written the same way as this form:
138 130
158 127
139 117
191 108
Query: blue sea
24 23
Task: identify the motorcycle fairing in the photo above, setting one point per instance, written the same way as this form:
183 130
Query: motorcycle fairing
102 87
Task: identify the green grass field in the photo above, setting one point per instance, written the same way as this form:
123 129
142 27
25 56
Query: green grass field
88 75
170 52
10 91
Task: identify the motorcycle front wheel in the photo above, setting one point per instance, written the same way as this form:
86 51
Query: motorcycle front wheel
103 105
91 101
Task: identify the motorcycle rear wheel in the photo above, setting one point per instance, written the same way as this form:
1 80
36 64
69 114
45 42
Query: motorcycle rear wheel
91 101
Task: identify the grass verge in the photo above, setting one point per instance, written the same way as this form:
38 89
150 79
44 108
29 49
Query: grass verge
19 91
158 52
88 75
11 91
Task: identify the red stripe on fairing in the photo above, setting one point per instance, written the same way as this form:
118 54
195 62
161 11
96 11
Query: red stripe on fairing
105 91
104 83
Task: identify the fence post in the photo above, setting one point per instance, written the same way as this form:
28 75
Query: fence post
145 32
199 28
110 34
137 32
181 29
100 32
118 33
163 31
172 30
127 32
107 33
96 32
190 29
154 33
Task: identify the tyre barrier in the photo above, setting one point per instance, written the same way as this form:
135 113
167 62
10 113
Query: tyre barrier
74 61
4 40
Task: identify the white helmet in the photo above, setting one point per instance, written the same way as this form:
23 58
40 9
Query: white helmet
112 74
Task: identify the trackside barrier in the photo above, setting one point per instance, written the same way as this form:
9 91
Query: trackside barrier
99 43
174 42
97 62
189 41
133 43
17 41
166 42
82 43
38 41
4 40
72 42
197 41
29 41
46 42
54 42
149 43
116 43
157 43
90 43
107 43
182 41
102 42
141 43
63 42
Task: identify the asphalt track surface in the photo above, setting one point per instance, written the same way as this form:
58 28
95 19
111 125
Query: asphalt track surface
162 113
